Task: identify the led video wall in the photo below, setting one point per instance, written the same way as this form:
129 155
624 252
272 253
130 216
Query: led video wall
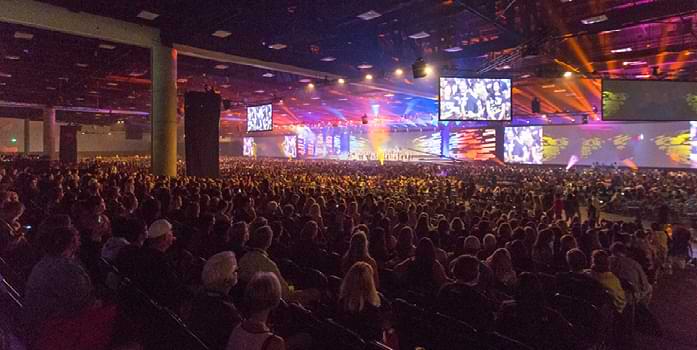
649 100
661 145
270 146
260 118
474 99
472 144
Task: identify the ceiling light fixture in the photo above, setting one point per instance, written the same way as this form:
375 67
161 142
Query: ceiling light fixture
328 59
221 66
225 86
82 65
12 57
341 81
259 91
622 50
420 35
304 80
311 85
50 88
107 46
147 15
398 72
368 77
268 75
24 35
221 34
643 76
453 49
182 80
568 74
278 46
594 19
364 66
367 16
633 63
5 75
112 84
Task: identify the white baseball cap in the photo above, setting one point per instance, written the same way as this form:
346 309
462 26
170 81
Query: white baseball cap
159 228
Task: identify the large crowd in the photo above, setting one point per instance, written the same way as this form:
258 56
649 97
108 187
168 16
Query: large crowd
314 255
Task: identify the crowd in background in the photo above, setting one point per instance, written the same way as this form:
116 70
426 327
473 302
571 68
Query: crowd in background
482 245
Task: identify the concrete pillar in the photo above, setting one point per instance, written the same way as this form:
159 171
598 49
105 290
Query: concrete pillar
27 136
163 66
50 133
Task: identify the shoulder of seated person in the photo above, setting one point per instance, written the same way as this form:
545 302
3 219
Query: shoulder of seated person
275 343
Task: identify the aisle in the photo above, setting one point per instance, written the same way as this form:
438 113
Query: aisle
675 306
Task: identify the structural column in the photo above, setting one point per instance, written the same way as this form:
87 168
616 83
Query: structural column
163 66
50 133
27 136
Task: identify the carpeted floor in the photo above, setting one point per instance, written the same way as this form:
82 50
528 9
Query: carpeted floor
675 306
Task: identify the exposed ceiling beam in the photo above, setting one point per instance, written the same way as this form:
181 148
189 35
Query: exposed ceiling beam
191 51
45 16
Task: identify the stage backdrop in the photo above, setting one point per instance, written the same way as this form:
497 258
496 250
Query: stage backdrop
661 145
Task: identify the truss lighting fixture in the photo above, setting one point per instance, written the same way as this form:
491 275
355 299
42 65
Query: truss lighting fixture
367 16
268 75
221 66
328 59
398 72
368 77
643 76
568 74
23 35
278 46
304 80
420 35
147 15
633 63
12 57
221 34
107 46
622 50
594 19
453 49
341 81
364 66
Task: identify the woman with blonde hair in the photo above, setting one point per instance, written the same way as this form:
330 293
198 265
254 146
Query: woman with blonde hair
358 251
359 302
501 265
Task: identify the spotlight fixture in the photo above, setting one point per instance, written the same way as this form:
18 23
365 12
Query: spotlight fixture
341 81
399 72
311 85
428 70
568 74
368 77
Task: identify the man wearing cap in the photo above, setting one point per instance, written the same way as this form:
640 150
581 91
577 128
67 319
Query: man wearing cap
150 268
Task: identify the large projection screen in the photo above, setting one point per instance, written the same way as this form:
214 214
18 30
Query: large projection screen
260 118
474 99
649 100
659 145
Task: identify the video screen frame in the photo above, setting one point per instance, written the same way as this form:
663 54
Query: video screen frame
270 105
508 118
602 101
